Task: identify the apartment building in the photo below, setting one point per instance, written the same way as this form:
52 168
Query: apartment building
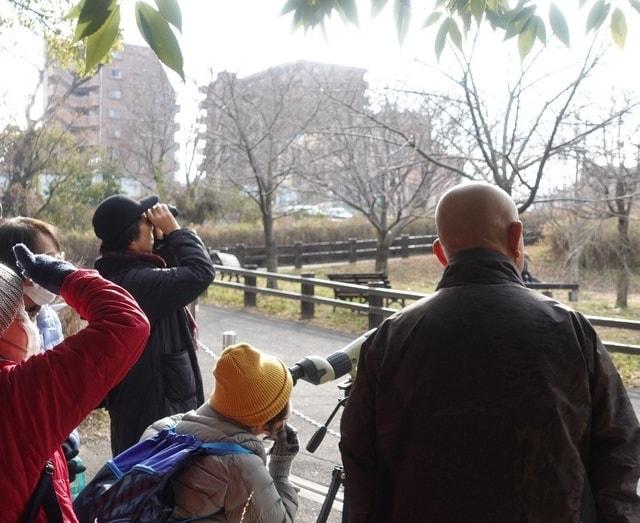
127 111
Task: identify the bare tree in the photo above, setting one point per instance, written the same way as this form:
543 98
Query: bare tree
147 145
364 166
255 128
509 139
612 172
42 147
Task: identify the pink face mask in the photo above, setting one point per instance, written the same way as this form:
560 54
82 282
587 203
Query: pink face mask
21 339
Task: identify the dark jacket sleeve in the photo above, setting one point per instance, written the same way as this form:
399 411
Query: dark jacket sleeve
358 433
56 390
162 291
614 458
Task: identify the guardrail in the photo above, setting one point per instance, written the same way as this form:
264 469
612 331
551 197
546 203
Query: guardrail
375 296
351 250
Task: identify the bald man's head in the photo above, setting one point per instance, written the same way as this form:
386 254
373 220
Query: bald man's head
479 215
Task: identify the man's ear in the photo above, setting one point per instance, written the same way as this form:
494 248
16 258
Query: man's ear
438 250
515 244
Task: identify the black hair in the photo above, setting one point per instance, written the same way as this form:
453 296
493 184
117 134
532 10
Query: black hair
22 229
124 239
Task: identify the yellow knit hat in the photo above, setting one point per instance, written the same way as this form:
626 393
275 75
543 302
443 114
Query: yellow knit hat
250 387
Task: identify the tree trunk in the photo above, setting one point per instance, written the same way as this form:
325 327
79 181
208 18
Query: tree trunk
382 252
271 247
622 291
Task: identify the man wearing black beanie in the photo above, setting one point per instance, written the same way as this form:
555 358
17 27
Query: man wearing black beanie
166 380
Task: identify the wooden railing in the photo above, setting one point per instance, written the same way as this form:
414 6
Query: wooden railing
352 250
376 297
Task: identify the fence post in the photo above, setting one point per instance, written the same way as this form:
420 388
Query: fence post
375 318
307 308
250 280
353 253
404 245
241 253
297 255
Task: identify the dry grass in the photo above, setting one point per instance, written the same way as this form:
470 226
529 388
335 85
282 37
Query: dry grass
422 273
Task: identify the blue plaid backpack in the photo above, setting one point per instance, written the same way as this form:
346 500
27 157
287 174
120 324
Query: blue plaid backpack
135 485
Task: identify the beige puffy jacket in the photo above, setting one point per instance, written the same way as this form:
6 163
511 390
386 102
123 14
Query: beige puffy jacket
228 486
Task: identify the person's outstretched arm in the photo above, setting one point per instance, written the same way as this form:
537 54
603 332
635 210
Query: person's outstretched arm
56 390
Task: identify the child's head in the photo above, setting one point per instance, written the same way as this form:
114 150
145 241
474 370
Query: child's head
251 388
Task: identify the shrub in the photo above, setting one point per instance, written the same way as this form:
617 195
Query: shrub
293 229
600 245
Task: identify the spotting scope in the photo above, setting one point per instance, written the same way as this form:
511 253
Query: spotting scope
317 370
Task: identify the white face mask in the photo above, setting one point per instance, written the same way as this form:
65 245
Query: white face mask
39 295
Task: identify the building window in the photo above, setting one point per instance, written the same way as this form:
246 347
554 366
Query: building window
116 133
117 55
115 73
114 113
115 94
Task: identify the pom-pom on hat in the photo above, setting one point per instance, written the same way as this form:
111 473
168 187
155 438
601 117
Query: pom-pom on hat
116 213
10 296
250 387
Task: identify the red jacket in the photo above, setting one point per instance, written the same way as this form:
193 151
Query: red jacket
45 397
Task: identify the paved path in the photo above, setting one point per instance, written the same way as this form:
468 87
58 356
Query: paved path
290 341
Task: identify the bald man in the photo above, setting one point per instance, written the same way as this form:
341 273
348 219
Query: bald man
488 402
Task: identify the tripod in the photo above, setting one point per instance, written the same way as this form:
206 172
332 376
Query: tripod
337 475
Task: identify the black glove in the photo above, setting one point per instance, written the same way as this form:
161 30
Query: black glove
46 271
70 448
283 451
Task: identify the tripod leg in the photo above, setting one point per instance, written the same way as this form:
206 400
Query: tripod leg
337 477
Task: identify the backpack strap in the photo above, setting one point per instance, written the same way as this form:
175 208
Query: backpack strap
221 448
44 496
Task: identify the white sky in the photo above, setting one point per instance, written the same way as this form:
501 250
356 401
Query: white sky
246 36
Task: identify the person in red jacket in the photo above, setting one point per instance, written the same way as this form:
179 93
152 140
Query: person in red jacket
45 396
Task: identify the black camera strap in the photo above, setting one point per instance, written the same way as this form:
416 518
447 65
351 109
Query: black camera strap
44 496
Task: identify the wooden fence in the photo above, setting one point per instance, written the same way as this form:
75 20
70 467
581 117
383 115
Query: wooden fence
352 250
375 296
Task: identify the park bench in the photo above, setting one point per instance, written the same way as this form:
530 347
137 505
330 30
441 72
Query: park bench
226 260
380 279
546 288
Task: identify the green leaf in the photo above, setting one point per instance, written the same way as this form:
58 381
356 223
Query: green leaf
100 42
348 10
477 9
597 15
432 19
559 25
441 38
75 11
541 30
618 27
466 21
291 5
527 38
159 36
93 15
635 4
402 14
377 6
170 11
454 33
